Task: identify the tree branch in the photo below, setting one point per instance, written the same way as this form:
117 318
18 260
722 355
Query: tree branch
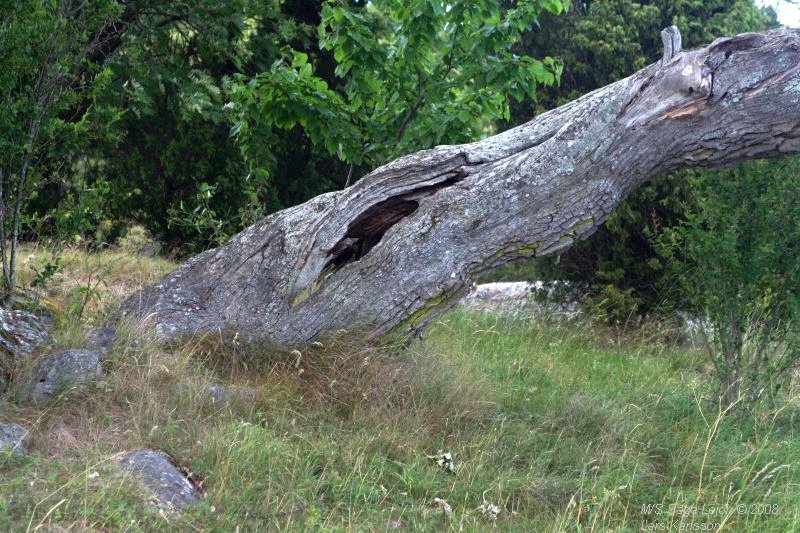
414 108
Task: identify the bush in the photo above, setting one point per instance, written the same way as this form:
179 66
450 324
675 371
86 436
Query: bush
613 306
736 259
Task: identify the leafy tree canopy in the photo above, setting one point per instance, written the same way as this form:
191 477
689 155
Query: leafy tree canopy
314 94
408 75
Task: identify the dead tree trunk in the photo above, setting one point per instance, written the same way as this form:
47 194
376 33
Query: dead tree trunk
401 245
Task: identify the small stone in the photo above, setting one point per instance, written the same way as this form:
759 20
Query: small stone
442 505
58 372
218 394
148 250
101 339
489 510
12 439
159 475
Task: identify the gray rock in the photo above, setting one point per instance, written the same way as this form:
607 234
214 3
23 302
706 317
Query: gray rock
58 372
218 394
169 486
502 296
693 331
21 332
12 439
101 339
537 298
149 250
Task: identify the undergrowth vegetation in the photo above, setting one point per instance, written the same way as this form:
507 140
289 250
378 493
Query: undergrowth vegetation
489 421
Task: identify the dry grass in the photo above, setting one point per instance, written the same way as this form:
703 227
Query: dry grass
100 279
562 426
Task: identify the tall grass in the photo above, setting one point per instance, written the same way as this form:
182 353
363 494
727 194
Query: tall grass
556 426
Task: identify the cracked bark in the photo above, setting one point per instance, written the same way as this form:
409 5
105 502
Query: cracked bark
400 246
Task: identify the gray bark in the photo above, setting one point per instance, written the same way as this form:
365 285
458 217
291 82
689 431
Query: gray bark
400 246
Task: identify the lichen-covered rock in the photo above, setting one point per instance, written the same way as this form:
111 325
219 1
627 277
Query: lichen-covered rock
218 394
546 298
499 296
156 472
58 372
12 439
693 331
21 332
101 339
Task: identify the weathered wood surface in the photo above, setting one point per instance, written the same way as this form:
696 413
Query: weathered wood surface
401 245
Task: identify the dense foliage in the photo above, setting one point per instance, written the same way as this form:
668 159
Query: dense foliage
736 260
199 117
408 75
45 46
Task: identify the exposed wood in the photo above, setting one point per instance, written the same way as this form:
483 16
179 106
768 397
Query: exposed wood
400 246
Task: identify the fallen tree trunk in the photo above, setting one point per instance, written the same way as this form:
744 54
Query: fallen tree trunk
401 245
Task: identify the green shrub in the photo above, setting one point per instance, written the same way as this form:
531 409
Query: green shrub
736 259
613 306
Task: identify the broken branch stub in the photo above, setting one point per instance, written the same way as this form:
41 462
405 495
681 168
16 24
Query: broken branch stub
401 245
671 38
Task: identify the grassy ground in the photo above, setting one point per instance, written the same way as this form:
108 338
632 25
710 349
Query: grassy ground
561 426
